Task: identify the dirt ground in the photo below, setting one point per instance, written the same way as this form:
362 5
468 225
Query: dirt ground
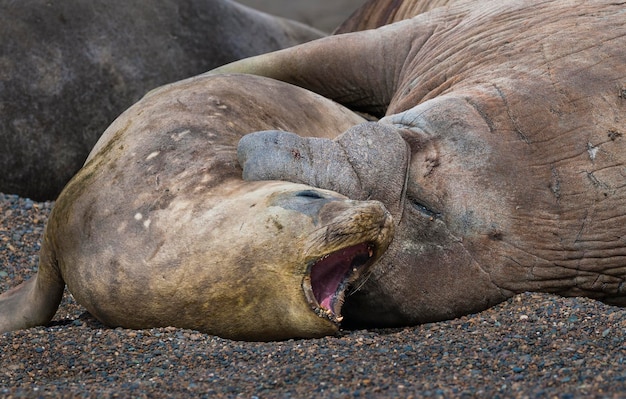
322 14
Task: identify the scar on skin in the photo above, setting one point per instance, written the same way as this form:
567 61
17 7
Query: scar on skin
179 136
592 150
154 154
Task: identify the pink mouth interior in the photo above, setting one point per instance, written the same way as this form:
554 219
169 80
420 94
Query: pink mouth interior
329 273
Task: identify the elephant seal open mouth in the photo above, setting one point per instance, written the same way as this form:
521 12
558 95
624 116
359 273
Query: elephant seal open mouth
329 276
338 256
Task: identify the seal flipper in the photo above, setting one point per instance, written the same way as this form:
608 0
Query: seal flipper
35 301
353 69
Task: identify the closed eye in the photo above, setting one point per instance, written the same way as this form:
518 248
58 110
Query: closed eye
425 210
309 194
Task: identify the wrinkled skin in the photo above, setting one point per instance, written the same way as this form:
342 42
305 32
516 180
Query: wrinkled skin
376 13
514 112
159 229
69 68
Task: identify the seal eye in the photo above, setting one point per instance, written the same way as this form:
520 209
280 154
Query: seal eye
425 210
309 194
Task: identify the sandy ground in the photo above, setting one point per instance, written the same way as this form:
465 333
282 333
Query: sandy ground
325 15
532 346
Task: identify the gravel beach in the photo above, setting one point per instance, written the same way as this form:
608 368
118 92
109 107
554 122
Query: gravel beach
532 346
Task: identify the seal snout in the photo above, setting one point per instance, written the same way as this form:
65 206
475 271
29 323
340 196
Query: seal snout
354 240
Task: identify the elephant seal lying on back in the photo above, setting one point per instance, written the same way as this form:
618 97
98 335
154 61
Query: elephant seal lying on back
515 115
159 229
69 68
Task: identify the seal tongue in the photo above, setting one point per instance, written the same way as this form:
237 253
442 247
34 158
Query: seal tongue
331 271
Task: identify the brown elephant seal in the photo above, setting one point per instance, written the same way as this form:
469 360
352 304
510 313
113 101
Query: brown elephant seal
69 68
515 115
159 229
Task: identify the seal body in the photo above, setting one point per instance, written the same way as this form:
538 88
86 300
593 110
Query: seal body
69 68
376 13
514 114
158 228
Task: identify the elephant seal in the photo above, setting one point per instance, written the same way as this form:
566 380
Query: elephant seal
69 68
159 229
514 112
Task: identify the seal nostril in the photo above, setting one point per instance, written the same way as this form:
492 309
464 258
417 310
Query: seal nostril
309 194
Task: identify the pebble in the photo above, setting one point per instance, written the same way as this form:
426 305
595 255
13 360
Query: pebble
531 346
